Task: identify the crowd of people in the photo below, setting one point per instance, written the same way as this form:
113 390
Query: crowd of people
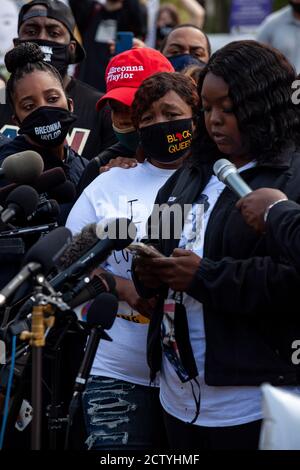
210 315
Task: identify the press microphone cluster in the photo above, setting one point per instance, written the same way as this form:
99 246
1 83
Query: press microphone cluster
228 174
52 182
40 258
99 251
77 260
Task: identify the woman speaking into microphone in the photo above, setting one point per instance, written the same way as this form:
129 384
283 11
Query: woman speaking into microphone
225 320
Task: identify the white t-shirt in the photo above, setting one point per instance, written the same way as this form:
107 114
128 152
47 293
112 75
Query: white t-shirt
121 193
220 406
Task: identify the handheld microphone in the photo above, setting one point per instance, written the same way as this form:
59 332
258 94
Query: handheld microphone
40 258
228 174
100 251
22 202
23 167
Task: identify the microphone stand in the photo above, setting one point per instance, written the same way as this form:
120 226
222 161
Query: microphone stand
42 318
96 333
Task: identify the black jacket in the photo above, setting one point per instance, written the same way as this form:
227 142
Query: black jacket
250 295
283 230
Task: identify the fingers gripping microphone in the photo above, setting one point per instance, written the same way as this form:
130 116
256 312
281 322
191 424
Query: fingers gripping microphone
228 174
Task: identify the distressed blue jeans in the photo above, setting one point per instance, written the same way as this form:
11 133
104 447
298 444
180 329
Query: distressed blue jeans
120 415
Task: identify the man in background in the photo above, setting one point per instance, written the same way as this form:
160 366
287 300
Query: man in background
98 24
282 30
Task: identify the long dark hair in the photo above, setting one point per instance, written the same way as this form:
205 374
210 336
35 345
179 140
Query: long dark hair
260 86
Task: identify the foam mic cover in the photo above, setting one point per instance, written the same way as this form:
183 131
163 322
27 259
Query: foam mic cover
45 250
49 180
23 167
81 243
64 193
44 184
23 200
103 311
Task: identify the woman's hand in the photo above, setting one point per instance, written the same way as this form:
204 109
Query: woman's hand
121 162
177 271
254 205
128 293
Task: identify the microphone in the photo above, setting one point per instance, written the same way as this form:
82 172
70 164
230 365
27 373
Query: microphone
40 258
21 202
101 316
114 238
47 208
46 182
23 167
64 193
89 288
228 174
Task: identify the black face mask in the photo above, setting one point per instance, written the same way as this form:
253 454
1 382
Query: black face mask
55 54
47 125
295 6
168 141
163 31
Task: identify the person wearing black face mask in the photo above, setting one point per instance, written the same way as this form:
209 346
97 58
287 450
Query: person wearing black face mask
281 30
121 88
186 45
41 110
51 25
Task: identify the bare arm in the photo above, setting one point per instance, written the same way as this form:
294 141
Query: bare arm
196 12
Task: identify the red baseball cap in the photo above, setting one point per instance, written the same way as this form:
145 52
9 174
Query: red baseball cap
126 71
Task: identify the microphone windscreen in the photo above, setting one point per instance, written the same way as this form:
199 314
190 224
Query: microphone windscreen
103 311
47 183
49 180
81 243
45 250
25 197
64 193
23 167
121 231
5 191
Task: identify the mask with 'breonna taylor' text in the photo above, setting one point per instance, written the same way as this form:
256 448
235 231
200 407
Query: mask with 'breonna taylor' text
167 141
48 126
